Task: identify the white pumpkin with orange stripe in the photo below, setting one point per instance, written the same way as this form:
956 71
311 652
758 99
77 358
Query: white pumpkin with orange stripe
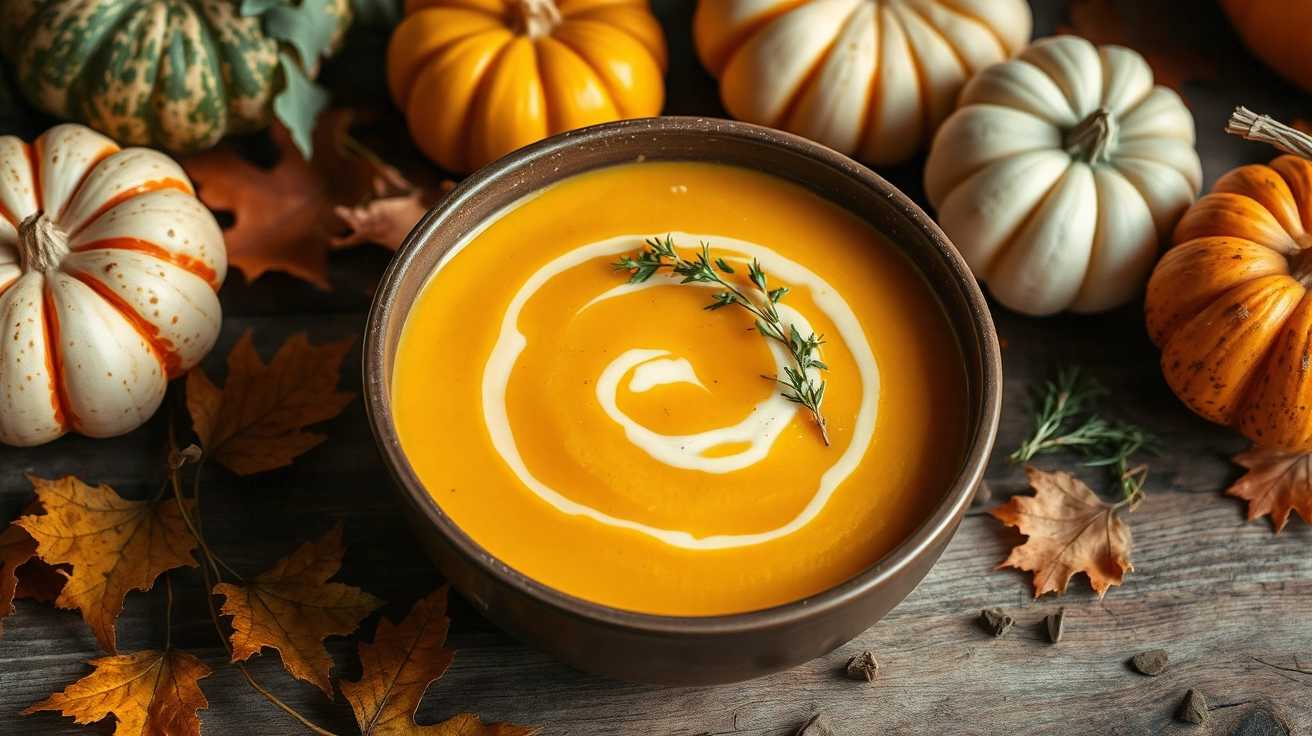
479 78
109 268
870 78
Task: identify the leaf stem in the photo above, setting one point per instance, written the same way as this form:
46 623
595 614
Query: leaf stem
241 666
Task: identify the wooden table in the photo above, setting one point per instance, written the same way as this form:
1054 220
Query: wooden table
1232 602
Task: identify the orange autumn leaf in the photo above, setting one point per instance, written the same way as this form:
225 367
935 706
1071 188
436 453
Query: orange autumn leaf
16 548
283 217
399 666
292 608
150 693
1275 484
255 422
1070 530
114 545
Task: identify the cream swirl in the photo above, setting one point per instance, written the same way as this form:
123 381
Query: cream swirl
651 367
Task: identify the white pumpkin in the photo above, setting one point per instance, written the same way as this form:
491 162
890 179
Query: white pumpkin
870 78
1060 174
108 271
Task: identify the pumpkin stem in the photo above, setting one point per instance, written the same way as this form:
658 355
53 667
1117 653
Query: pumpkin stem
41 245
1093 139
1254 127
538 18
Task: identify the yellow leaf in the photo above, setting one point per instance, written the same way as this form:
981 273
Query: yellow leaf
114 545
150 693
292 607
1070 530
399 666
255 422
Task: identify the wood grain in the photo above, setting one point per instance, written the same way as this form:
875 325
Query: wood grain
1231 602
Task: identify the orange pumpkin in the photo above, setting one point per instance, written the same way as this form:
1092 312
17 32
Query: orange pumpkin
479 78
1229 303
1276 32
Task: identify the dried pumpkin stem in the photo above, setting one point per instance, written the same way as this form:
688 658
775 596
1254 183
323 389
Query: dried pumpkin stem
1263 128
538 18
41 245
1093 138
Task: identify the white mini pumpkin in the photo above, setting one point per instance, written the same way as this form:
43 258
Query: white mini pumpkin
1061 172
109 268
870 78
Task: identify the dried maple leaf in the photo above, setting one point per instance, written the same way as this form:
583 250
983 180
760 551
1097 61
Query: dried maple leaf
1152 31
114 545
388 218
16 548
1275 484
150 693
1070 530
399 666
292 608
283 217
254 423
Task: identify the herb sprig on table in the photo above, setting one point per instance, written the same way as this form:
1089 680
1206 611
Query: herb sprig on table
800 388
1062 399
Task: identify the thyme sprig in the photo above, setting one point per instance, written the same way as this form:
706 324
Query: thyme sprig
1071 393
800 388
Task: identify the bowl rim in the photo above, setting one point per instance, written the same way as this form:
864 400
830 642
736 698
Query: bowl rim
942 521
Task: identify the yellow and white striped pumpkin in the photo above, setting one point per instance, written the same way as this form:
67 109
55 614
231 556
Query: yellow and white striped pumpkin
109 268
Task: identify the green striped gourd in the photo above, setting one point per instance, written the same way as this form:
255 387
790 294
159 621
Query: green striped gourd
172 73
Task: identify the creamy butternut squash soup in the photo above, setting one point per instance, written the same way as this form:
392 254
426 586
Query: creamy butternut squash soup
624 444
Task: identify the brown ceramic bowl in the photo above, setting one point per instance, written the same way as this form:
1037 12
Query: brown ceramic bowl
671 650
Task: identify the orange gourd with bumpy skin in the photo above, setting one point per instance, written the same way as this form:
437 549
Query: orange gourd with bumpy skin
1229 303
478 79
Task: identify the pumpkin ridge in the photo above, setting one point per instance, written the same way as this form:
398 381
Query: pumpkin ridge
927 128
64 415
193 266
103 154
153 185
564 40
1009 241
1002 44
170 361
33 151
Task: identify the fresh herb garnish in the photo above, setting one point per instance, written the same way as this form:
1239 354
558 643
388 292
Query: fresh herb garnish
1102 443
805 351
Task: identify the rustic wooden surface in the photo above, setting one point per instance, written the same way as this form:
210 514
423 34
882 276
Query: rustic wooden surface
1232 602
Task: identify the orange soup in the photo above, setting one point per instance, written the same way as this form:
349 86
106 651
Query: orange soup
624 444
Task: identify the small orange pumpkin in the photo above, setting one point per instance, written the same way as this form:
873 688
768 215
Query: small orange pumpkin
479 78
1229 304
1276 32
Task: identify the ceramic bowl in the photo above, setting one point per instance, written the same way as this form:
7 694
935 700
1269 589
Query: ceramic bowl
672 650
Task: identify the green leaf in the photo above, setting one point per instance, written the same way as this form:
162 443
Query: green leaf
256 7
298 105
309 27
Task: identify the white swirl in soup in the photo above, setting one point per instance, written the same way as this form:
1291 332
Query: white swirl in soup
758 430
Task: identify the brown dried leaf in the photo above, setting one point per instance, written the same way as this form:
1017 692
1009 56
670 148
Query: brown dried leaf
292 608
254 423
399 666
16 548
150 693
393 212
114 545
283 217
1070 530
1275 484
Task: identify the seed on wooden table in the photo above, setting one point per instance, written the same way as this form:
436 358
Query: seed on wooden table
1055 623
995 621
1193 709
983 494
863 667
1151 662
818 726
